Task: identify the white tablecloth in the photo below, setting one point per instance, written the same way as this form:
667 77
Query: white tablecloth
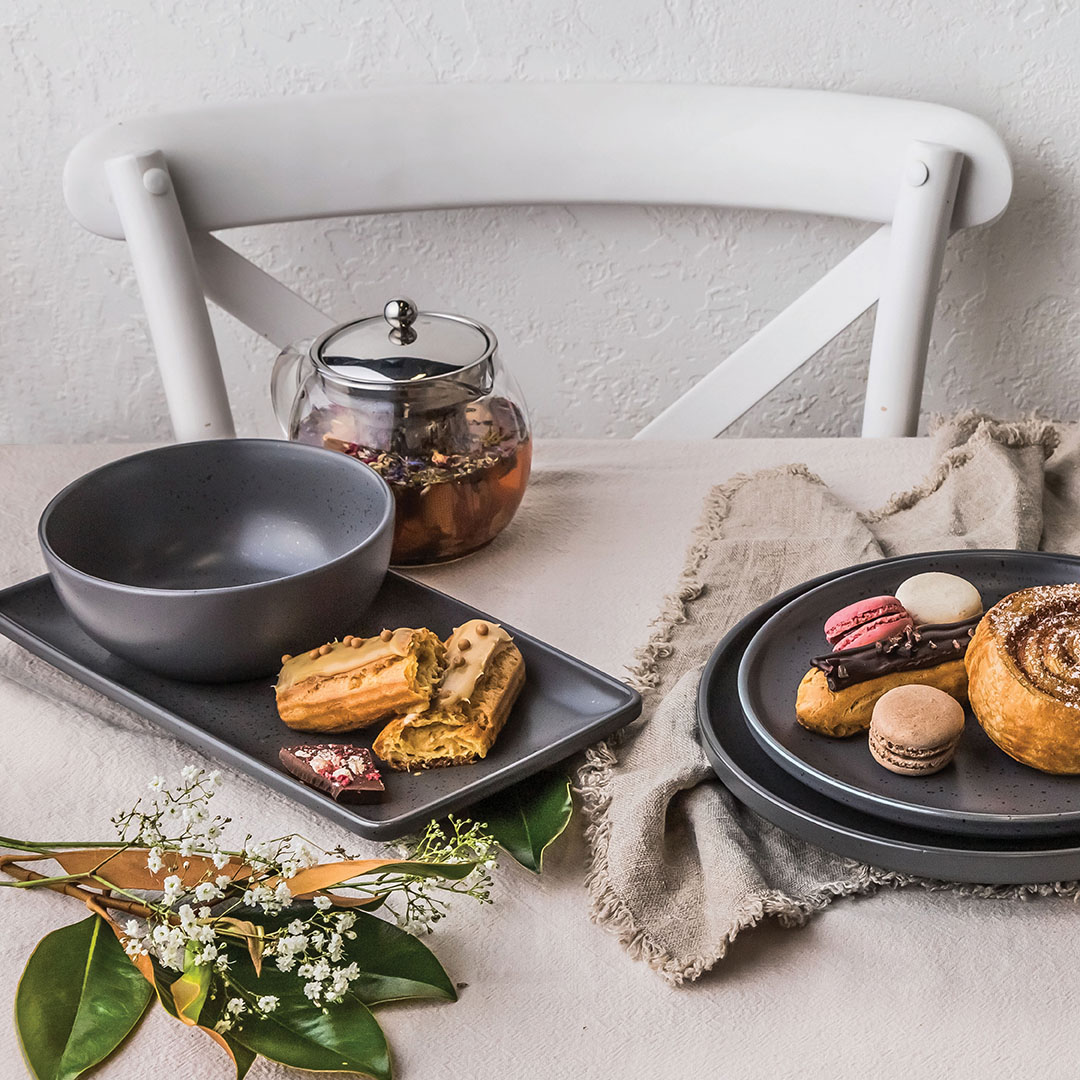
901 984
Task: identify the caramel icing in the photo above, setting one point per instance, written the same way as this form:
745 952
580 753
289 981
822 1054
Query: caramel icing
340 657
468 650
1039 629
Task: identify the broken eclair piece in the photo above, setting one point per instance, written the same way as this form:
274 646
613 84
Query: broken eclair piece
346 773
484 674
352 683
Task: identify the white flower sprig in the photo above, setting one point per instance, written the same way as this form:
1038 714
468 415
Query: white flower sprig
197 917
230 933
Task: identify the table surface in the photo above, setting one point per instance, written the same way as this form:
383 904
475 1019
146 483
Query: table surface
904 983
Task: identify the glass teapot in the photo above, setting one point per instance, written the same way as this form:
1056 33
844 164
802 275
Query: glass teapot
424 399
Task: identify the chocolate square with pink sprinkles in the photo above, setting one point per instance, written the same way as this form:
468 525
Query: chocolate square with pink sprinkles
345 773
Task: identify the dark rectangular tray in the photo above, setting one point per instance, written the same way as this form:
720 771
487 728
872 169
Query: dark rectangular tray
565 706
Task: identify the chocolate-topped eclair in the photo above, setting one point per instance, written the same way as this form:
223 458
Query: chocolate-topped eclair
837 695
910 650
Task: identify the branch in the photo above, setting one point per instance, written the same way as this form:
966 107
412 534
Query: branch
12 869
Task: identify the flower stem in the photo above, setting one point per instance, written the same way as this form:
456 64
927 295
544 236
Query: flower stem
39 880
36 845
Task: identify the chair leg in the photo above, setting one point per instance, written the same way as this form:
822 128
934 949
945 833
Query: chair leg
172 296
905 311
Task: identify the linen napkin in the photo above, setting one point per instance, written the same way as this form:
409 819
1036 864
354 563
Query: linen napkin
679 867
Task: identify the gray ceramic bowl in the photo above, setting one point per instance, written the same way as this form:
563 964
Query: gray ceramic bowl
206 561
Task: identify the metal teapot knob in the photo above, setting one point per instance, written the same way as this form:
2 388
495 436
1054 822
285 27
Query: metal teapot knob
400 314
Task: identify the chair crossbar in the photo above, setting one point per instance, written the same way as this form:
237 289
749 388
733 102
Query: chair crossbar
779 348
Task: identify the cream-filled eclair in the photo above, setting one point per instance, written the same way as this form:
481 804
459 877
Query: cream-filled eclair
483 676
352 683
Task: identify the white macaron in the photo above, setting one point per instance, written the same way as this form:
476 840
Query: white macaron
939 598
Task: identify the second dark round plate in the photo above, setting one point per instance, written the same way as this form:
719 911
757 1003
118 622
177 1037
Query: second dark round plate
984 791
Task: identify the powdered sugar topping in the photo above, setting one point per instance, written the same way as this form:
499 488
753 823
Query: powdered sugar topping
1040 629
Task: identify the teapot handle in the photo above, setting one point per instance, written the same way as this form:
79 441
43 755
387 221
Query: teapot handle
285 382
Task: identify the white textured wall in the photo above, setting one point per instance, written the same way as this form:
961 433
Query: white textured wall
604 313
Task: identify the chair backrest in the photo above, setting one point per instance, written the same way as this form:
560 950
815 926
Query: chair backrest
165 183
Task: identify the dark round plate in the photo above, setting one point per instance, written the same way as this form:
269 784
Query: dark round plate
983 791
759 782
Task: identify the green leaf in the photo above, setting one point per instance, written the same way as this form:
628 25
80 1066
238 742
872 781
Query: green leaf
210 1014
527 817
394 964
346 1037
190 990
78 1000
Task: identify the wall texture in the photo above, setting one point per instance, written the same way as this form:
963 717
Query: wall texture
606 314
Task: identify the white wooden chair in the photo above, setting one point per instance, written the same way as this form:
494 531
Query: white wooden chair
165 183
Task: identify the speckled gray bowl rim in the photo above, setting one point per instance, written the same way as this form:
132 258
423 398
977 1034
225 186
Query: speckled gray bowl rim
278 444
859 798
807 813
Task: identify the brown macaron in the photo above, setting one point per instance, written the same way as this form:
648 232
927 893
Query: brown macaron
914 729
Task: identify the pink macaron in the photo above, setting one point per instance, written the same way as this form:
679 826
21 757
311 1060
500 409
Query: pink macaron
867 621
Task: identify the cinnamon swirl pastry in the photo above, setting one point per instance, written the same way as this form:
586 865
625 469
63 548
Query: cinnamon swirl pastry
1023 670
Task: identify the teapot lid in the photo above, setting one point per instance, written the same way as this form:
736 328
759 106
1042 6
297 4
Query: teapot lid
403 344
